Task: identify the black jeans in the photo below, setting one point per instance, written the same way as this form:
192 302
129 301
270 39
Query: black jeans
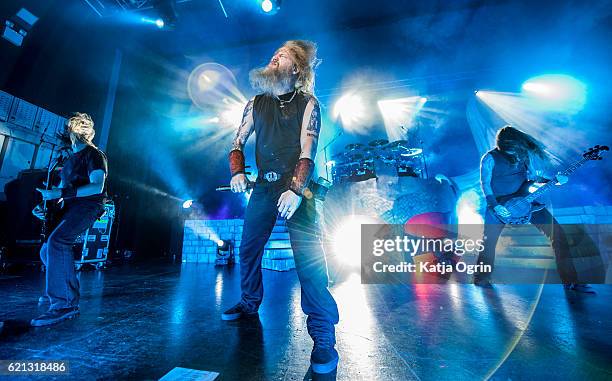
62 284
311 266
548 225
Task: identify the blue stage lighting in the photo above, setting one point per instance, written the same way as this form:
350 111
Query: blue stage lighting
187 204
557 92
157 22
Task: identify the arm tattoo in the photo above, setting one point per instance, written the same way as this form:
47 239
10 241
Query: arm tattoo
314 124
245 129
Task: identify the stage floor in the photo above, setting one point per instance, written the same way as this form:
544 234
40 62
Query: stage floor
141 321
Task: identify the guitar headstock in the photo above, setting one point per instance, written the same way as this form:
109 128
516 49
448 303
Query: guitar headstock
595 153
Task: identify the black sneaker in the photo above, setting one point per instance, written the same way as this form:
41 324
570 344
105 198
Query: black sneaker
484 283
55 316
238 312
577 287
324 357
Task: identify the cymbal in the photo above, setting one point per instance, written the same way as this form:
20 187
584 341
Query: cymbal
411 152
353 147
399 143
378 143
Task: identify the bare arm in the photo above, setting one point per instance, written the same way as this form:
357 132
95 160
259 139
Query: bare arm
246 127
236 155
97 179
309 138
311 127
95 186
486 173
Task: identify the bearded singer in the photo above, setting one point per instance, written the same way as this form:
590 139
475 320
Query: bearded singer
504 171
286 120
83 189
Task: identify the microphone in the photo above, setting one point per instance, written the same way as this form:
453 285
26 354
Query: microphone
226 188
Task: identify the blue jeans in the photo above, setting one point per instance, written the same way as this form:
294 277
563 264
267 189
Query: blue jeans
62 285
311 266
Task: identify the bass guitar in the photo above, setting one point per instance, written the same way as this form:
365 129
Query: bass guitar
522 203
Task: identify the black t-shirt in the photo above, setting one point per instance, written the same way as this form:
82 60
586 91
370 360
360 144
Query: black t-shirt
76 170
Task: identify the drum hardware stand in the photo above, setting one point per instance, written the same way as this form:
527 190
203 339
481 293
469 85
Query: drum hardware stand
324 149
423 160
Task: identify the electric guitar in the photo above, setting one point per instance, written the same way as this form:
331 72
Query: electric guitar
522 203
49 208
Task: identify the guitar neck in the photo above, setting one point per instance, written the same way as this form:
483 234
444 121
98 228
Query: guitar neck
549 185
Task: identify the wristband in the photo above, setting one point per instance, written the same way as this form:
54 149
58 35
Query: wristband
69 192
301 175
236 162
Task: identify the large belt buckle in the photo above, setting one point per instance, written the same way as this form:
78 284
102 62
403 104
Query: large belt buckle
271 176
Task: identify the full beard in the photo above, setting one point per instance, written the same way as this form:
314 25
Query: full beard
271 80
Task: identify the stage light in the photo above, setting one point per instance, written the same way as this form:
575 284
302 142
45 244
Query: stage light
350 109
223 244
225 252
157 22
18 26
270 7
399 112
347 239
266 6
187 204
557 92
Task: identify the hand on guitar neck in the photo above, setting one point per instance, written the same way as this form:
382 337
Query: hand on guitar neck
39 212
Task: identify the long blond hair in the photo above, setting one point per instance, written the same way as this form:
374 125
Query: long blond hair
82 126
304 54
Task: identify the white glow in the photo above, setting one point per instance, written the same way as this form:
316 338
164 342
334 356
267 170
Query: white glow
266 6
347 238
350 109
398 114
231 114
557 92
468 207
187 204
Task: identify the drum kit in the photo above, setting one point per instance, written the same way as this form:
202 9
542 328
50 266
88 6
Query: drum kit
360 162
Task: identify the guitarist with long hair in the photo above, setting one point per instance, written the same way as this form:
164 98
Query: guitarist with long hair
83 191
516 159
